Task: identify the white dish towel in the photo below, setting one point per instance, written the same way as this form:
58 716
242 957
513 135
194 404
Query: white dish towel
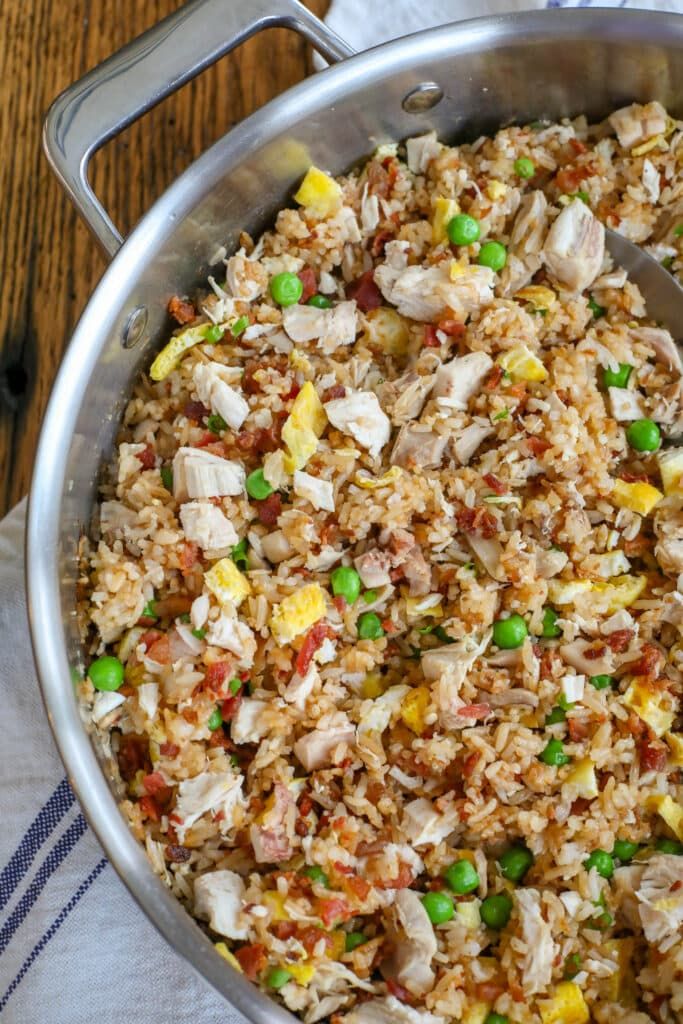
74 947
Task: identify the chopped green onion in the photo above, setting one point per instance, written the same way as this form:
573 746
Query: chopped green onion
216 424
199 633
596 310
235 685
167 477
148 611
214 334
502 415
239 555
215 720
239 326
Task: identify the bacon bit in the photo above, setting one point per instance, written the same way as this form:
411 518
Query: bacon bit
336 391
569 179
379 181
178 854
301 827
312 641
310 283
155 783
169 749
357 888
230 705
148 806
160 651
619 640
477 520
577 729
263 439
653 756
595 652
470 763
182 311
496 485
494 378
429 339
635 725
634 478
252 959
339 603
650 663
250 386
378 243
207 438
133 756
453 328
475 711
290 395
150 637
676 886
365 292
580 805
489 991
516 991
389 626
196 411
216 675
283 930
189 557
404 879
147 457
537 445
398 991
310 937
305 805
578 146
269 509
636 547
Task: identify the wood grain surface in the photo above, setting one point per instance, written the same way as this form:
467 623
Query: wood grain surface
49 264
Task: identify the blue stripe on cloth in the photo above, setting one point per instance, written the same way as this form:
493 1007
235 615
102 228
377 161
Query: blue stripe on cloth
54 927
22 858
59 851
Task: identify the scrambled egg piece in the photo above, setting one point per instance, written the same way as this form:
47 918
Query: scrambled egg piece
275 902
370 483
621 986
675 742
223 950
444 211
638 497
227 583
566 591
670 812
170 355
302 973
521 363
496 189
671 470
414 709
303 427
567 1006
476 1013
387 329
468 914
582 779
372 686
620 591
320 193
296 613
538 295
647 705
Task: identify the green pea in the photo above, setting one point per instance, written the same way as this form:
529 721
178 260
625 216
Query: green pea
240 325
214 333
277 977
572 966
215 720
602 861
556 716
462 877
316 874
678 230
510 633
554 754
550 629
601 682
617 378
597 310
354 940
345 583
148 611
369 596
669 846
515 863
496 1018
319 301
167 477
624 850
235 685
199 633
258 487
106 673
463 229
493 255
644 435
216 424
524 167
439 907
369 626
495 910
286 288
239 554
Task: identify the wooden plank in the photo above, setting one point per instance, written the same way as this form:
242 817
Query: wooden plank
49 264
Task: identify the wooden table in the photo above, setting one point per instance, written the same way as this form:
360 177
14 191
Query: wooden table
50 263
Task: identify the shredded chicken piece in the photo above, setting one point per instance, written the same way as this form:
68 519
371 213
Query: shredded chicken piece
471 438
418 447
389 1011
664 347
361 415
330 327
425 293
200 474
271 838
247 279
660 896
574 654
405 397
218 897
421 150
316 749
461 378
575 247
537 936
413 944
638 122
626 405
208 526
209 791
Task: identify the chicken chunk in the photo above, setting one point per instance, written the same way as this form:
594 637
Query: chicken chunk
331 327
575 247
669 554
208 791
421 150
575 655
299 688
457 381
540 951
638 122
247 279
228 632
317 748
405 397
207 526
664 347
471 438
319 492
271 838
418 447
528 232
413 944
199 474
250 724
388 1010
212 381
626 405
373 567
423 825
660 898
360 414
218 898
425 293
417 572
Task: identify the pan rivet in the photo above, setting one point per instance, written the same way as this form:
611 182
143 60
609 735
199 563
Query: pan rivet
422 97
135 327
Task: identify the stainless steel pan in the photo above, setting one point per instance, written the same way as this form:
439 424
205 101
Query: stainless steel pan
460 80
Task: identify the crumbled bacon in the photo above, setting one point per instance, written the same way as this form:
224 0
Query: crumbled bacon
182 311
230 705
250 386
453 328
155 784
133 756
263 439
147 457
196 411
475 711
283 930
650 662
189 556
305 804
365 292
577 729
429 338
308 279
160 651
619 640
169 749
634 478
398 991
379 180
377 244
403 880
207 439
252 959
149 807
578 146
537 445
569 179
312 641
269 509
477 520
216 675
470 763
178 854
653 756
336 391
496 485
494 378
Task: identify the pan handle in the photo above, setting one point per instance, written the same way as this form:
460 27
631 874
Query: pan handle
126 85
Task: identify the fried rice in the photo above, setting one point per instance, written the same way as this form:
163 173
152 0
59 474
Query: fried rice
384 604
